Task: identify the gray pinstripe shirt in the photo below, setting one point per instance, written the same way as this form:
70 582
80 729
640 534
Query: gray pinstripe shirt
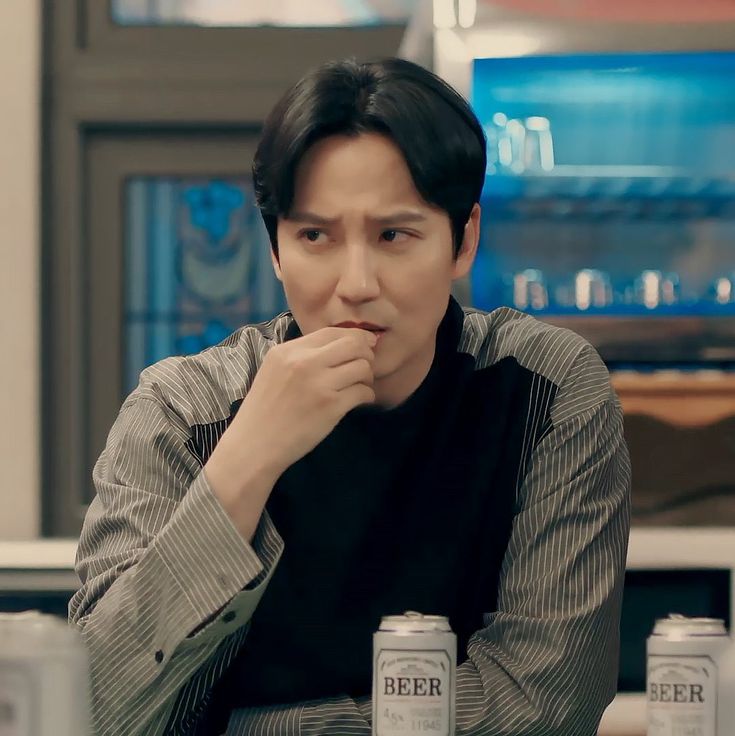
168 585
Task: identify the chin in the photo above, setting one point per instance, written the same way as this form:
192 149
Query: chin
381 371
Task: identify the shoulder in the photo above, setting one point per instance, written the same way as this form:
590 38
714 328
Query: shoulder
555 354
537 346
201 388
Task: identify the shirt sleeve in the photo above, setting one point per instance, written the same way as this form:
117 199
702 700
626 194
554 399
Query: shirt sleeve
167 582
546 662
339 715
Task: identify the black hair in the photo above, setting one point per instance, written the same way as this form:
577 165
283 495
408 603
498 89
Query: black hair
441 140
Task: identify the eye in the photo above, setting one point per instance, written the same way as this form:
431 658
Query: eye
311 235
394 236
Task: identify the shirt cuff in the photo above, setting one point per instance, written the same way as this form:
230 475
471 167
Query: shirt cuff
211 562
286 718
336 715
365 707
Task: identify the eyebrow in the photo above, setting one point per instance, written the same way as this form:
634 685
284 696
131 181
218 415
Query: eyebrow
395 218
398 218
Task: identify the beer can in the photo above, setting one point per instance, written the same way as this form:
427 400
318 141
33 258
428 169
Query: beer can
684 676
414 676
44 677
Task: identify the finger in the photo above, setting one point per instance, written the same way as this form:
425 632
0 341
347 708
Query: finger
356 395
326 335
348 374
347 348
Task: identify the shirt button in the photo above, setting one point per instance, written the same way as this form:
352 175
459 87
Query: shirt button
159 656
229 616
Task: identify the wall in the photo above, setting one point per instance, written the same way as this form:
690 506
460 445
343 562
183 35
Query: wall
20 54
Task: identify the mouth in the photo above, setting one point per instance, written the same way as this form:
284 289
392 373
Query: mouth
363 326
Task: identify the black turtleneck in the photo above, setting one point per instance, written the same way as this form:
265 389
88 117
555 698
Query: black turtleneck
406 508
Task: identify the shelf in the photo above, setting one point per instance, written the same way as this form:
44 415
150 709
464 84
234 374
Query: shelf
681 399
672 382
682 310
38 565
598 198
591 193
619 182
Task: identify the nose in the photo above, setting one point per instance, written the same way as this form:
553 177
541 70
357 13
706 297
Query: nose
358 278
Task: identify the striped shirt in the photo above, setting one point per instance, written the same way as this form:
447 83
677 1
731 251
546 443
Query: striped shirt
169 585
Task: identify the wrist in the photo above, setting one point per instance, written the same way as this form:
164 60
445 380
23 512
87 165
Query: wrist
240 463
242 482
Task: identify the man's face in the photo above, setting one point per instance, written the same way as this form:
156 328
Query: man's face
360 245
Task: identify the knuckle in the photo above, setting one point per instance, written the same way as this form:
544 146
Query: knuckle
323 397
295 361
277 355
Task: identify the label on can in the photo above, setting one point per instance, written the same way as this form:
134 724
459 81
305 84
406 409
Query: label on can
15 704
413 692
682 695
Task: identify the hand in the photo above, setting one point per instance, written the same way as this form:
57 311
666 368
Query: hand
303 389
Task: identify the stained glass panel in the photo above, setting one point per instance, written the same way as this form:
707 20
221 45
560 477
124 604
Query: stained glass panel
250 13
197 267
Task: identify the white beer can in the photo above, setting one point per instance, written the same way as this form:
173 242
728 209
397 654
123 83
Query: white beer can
688 664
44 677
414 673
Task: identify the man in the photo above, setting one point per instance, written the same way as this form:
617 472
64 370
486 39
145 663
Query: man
376 449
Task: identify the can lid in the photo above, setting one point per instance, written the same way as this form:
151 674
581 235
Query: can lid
36 627
676 625
414 622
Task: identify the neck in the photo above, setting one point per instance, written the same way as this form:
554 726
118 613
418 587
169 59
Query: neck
394 389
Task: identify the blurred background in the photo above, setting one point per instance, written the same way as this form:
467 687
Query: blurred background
609 204
129 233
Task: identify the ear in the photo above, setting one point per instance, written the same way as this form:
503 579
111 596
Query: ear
276 265
468 250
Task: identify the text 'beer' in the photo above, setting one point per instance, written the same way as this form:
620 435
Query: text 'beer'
414 671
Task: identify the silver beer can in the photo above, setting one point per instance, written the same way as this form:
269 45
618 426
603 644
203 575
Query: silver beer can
414 676
686 662
44 677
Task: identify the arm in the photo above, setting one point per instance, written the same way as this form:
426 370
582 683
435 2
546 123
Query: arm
168 583
546 661
341 716
169 578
